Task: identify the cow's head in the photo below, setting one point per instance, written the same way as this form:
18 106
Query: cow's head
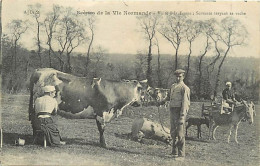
136 89
119 93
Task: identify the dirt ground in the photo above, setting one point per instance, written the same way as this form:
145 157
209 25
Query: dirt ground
83 148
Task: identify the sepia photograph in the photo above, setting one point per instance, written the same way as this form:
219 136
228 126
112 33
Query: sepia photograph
150 83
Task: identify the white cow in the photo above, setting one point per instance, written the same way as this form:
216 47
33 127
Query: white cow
144 128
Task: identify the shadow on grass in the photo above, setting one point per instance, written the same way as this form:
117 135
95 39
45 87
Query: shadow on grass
82 142
147 141
116 149
196 139
9 138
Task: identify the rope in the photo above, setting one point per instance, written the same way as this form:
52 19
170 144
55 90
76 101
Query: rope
160 120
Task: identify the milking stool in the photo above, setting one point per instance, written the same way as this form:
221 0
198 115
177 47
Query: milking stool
38 134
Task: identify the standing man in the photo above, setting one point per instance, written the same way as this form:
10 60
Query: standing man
179 106
45 107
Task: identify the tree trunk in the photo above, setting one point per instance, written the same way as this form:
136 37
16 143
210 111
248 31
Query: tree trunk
27 69
149 59
12 60
88 53
200 67
159 67
176 57
49 53
39 42
68 68
15 52
219 70
215 59
61 62
186 79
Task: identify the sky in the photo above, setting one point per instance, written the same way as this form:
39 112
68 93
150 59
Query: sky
120 33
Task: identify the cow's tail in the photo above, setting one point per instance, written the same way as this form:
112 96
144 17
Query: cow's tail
30 110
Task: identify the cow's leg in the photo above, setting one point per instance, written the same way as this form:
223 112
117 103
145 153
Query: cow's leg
214 130
101 129
230 132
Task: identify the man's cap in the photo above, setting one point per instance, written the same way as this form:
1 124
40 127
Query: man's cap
228 83
48 88
179 71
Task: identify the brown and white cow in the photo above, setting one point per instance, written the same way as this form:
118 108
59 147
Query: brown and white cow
76 94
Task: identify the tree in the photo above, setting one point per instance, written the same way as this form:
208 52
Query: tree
70 36
193 31
159 72
231 33
173 30
140 65
50 23
91 25
98 58
218 50
34 11
16 28
148 24
206 28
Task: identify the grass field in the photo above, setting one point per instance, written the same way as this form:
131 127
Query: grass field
83 148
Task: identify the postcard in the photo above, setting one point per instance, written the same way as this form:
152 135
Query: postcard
130 82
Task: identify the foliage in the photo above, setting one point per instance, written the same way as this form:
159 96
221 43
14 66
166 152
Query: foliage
207 71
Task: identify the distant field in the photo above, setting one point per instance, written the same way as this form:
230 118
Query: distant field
83 148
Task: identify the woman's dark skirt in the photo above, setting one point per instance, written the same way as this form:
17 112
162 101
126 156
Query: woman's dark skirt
50 129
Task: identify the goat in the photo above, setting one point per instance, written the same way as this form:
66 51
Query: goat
197 122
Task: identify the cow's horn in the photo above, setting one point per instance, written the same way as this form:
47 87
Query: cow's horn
144 81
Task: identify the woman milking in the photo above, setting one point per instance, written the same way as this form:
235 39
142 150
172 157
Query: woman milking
45 108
